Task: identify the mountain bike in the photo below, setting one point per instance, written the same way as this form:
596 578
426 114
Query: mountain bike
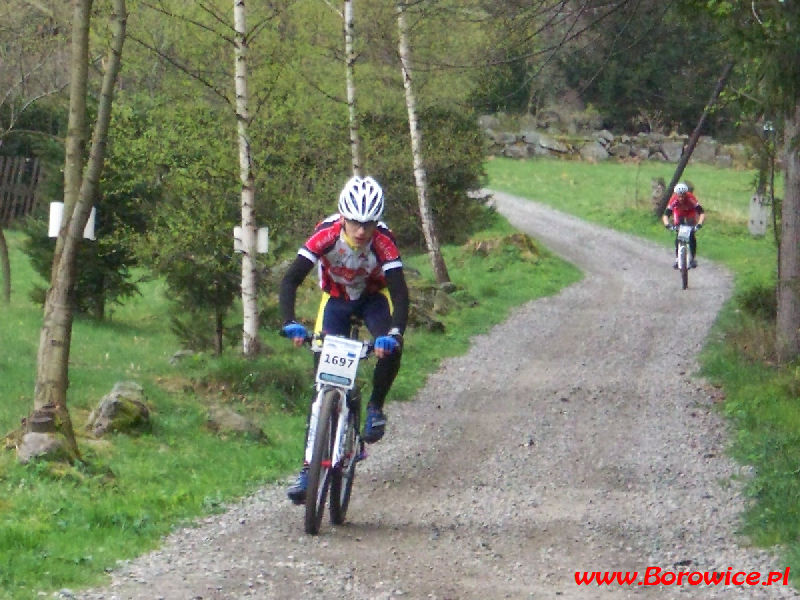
334 445
684 232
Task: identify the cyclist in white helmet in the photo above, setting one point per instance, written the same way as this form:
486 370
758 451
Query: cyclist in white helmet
683 207
361 274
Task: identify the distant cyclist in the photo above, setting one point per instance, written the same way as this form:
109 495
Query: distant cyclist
684 208
360 274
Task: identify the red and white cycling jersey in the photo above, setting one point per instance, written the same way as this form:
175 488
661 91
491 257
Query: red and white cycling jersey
345 272
684 208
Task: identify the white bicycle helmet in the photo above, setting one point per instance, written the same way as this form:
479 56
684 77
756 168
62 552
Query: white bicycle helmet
361 200
681 188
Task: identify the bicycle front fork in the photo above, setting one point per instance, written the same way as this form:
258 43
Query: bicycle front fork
341 413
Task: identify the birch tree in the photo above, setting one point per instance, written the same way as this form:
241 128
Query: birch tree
204 19
420 175
80 187
350 83
350 61
250 344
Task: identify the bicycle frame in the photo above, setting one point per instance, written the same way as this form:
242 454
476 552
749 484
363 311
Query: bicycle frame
342 409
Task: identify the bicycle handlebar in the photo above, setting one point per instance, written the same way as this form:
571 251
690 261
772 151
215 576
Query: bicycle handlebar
368 347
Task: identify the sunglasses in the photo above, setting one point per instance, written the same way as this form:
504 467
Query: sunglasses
365 224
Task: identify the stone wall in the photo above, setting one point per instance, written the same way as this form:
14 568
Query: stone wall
600 145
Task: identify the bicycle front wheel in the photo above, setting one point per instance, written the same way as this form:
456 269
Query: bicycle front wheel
319 470
683 265
343 476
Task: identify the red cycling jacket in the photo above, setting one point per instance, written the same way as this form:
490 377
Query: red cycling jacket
685 208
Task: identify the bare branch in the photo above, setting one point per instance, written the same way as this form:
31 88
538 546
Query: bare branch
334 9
755 14
183 68
256 29
31 132
164 11
218 18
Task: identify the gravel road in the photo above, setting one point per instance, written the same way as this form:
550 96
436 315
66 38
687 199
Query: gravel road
575 436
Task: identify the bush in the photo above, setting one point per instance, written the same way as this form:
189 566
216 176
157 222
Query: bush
453 156
760 301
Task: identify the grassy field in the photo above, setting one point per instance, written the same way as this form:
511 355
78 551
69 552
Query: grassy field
761 397
63 526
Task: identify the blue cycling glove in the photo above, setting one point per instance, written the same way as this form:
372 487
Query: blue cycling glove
387 343
294 330
698 226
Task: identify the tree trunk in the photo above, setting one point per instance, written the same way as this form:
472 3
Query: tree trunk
250 343
219 331
50 394
350 57
6 267
788 319
420 176
687 153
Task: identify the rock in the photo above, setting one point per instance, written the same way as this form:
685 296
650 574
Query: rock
45 445
705 151
224 420
549 133
516 151
179 356
549 143
123 409
531 137
724 161
604 136
620 150
672 150
488 122
594 152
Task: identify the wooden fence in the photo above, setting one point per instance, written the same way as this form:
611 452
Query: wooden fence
19 177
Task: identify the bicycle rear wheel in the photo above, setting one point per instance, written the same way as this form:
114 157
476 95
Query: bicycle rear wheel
319 470
683 265
342 477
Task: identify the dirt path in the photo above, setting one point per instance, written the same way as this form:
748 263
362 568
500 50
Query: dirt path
572 437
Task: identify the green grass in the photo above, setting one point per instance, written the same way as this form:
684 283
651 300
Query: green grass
63 526
761 398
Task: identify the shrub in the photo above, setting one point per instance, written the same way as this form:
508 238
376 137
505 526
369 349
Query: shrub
759 301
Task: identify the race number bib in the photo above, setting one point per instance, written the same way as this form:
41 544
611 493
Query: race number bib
338 361
684 232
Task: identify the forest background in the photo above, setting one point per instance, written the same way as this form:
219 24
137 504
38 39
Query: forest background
170 182
169 194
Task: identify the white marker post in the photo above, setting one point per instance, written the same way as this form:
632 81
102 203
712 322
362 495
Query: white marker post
57 213
262 242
